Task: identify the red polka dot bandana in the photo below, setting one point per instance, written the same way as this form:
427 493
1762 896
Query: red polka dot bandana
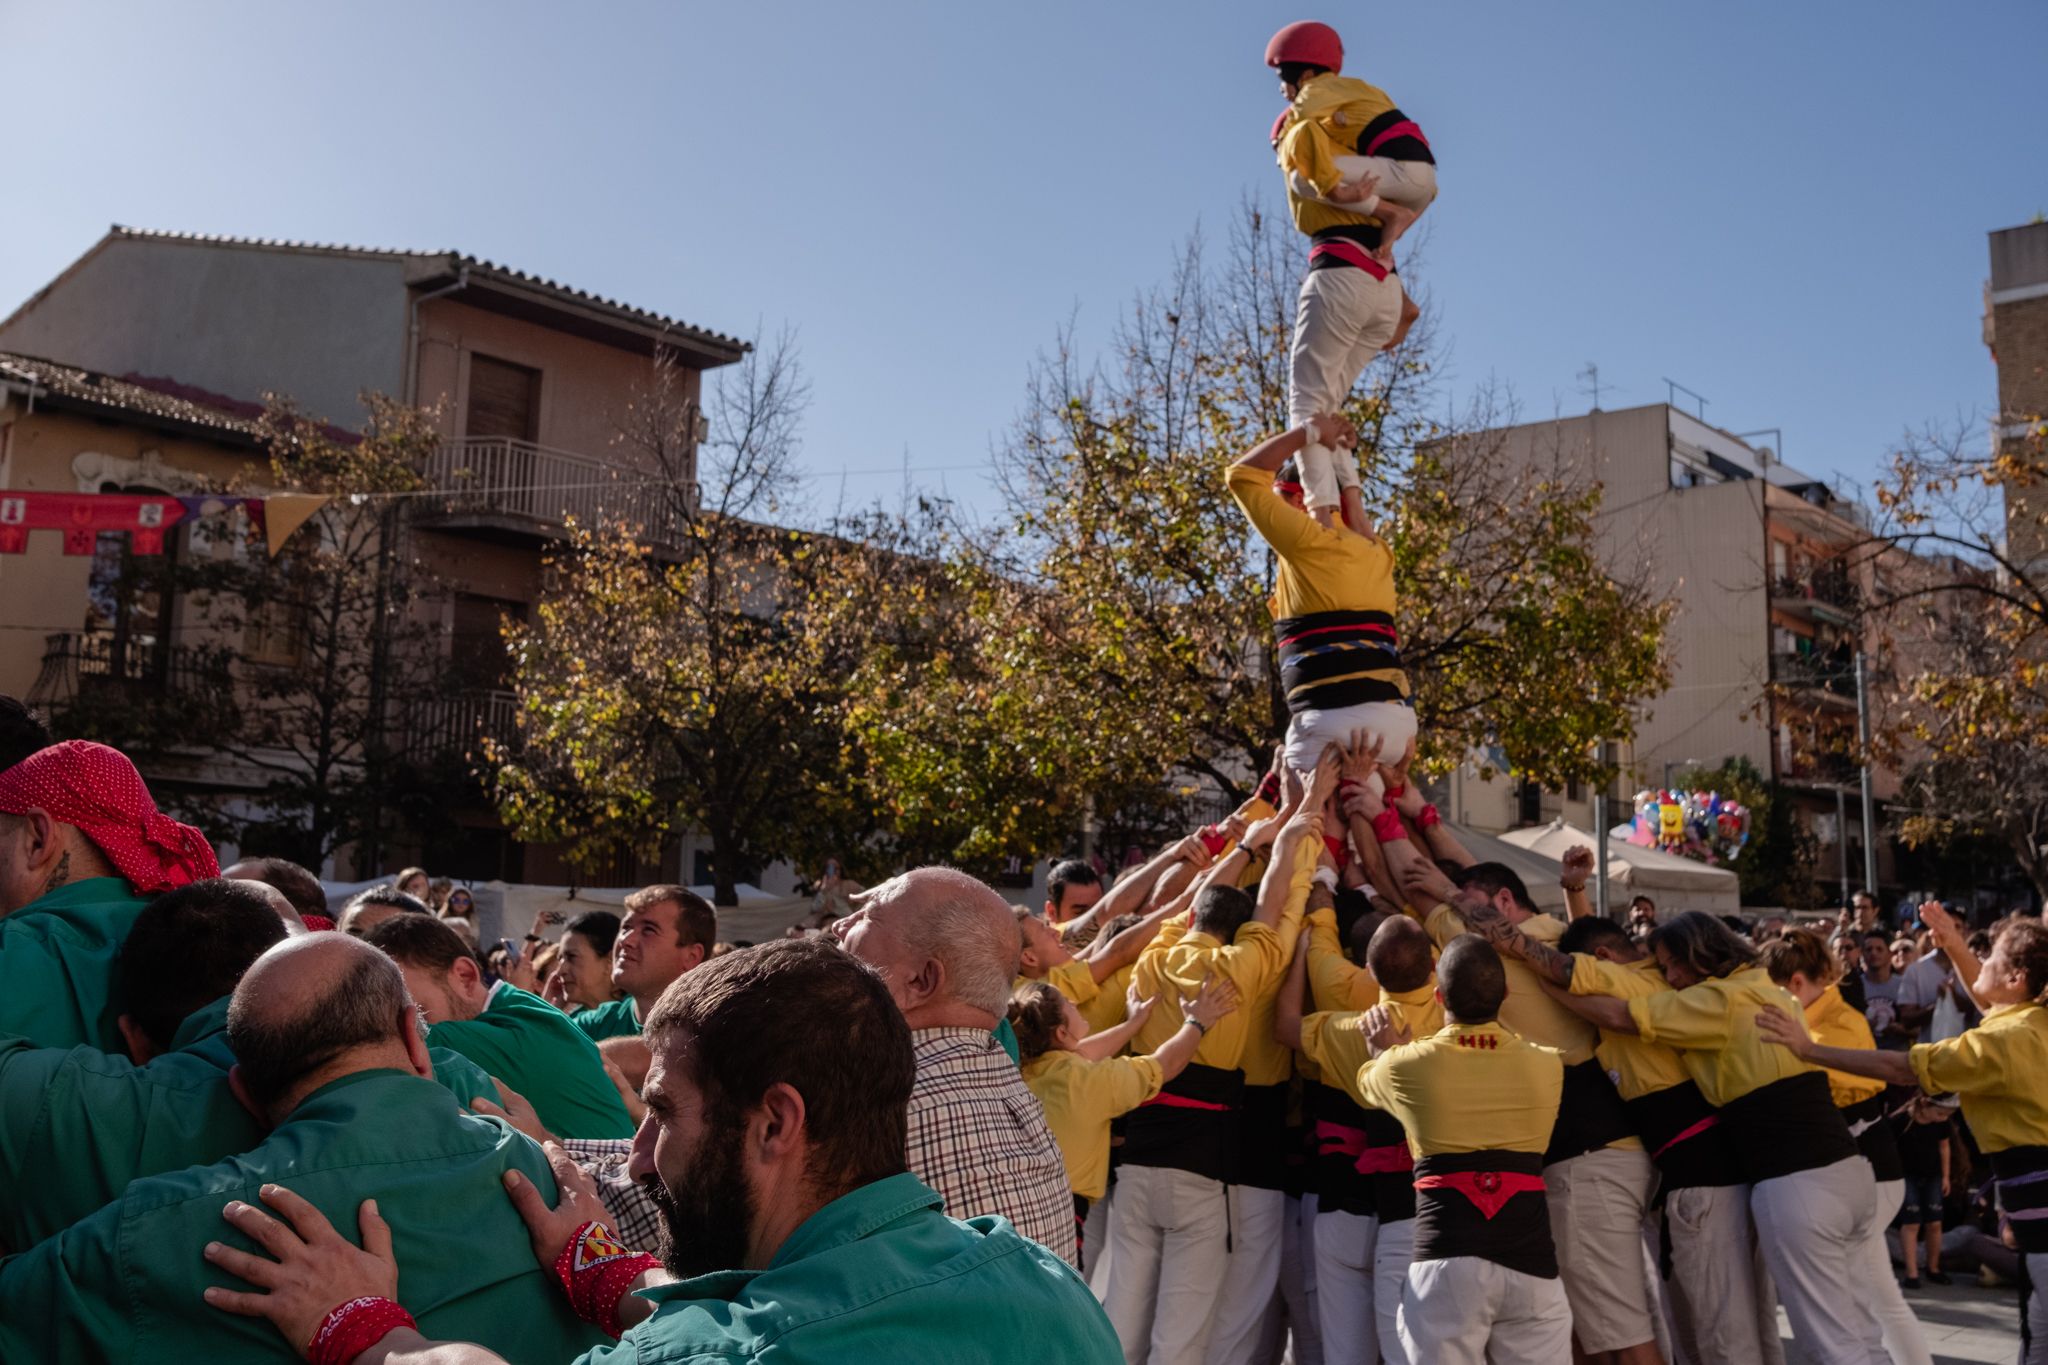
98 790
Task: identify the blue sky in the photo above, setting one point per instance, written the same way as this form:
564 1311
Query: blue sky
1782 206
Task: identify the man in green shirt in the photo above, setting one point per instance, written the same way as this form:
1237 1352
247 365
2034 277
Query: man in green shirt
667 931
513 1034
778 1094
78 1124
82 846
328 1050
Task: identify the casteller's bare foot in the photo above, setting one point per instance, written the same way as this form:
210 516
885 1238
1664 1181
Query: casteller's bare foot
1409 312
1395 219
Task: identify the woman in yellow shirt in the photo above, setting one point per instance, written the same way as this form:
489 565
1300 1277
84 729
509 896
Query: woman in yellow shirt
1080 1097
1810 1191
1999 1068
1800 962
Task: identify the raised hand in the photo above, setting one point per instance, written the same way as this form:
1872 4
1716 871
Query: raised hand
1334 431
1323 781
310 1269
549 1229
1383 1031
1578 865
1943 925
1217 998
1778 1027
1360 759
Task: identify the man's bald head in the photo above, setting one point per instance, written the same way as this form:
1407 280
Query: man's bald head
316 1008
941 939
1398 956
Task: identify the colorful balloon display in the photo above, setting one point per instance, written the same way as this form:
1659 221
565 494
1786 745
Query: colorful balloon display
1697 825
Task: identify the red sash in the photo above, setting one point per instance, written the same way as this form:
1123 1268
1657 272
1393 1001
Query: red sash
1489 1191
1388 1160
1183 1102
1351 253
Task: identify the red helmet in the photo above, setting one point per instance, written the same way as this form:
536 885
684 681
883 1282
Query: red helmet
1307 42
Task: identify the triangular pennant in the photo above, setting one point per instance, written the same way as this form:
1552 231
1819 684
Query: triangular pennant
284 513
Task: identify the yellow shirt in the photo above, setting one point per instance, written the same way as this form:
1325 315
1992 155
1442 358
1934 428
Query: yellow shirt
1714 1025
1266 1060
1833 1024
1335 1041
1528 1010
1312 140
1080 1097
1638 1067
2000 1068
1469 1088
1321 568
1334 983
1107 1008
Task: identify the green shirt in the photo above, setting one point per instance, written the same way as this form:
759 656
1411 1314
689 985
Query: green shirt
57 964
124 1285
613 1019
531 1046
77 1124
881 1274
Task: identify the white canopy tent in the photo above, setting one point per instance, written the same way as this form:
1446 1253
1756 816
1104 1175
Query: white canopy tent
1674 883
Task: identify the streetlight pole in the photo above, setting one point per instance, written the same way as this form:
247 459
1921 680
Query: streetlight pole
1869 801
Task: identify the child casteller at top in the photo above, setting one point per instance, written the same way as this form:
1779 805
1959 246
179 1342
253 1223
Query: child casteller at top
1359 172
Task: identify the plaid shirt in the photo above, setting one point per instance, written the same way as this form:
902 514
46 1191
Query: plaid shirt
977 1136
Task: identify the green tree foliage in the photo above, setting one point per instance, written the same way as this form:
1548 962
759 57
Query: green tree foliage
1131 636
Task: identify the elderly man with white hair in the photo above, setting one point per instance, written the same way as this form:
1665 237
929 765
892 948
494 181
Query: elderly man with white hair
948 947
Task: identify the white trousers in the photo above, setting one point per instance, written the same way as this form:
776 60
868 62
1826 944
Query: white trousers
1309 731
1598 1202
1722 1303
1166 1263
1344 1244
1341 320
1291 1335
1813 1225
2036 1309
1252 1276
1463 1310
1411 184
1392 1253
1904 1342
1095 1242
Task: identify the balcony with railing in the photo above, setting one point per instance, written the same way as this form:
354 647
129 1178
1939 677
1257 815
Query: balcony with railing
77 664
1828 594
454 726
498 485
1822 677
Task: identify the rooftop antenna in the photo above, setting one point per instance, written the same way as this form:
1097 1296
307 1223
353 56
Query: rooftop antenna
1766 455
1589 381
1672 388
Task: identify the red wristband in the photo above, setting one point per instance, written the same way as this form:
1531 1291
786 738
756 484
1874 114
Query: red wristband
1386 827
1428 818
351 1328
1269 789
1395 793
596 1269
1212 839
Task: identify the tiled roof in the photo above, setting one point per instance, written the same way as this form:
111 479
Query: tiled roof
455 260
163 400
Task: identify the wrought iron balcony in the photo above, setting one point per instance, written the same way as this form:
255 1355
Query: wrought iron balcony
455 725
1834 679
518 486
76 662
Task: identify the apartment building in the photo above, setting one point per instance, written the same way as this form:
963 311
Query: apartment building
144 367
1765 637
2016 331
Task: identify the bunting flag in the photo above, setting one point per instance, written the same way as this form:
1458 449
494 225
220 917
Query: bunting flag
84 517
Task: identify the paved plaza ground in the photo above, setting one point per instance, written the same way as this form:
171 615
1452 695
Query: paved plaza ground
1965 1325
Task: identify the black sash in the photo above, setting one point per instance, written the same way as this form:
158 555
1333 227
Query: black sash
1787 1126
1515 1232
1199 1135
